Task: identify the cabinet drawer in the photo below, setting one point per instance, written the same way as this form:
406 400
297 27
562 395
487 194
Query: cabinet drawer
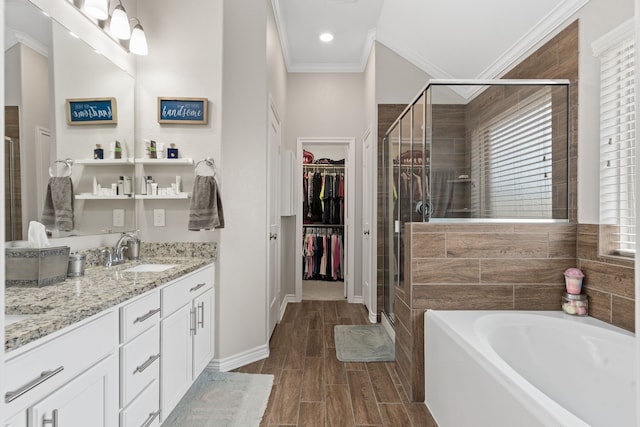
139 364
56 361
145 410
184 290
139 316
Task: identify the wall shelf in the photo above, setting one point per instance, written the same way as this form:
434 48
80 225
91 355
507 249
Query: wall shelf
175 162
89 196
181 196
104 162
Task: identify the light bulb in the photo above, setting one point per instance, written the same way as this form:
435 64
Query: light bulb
98 9
138 42
119 24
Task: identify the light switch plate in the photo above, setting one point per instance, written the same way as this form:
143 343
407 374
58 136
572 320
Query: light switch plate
158 217
118 217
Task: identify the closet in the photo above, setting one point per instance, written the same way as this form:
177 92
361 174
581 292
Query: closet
323 231
323 219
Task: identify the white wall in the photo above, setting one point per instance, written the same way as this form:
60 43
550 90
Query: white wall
330 105
185 60
243 250
397 80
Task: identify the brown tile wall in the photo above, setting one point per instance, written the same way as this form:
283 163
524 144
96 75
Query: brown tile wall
608 281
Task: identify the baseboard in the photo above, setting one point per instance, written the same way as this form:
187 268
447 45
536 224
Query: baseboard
373 318
357 299
289 298
230 363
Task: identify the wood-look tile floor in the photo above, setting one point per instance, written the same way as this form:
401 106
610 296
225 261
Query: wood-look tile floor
312 388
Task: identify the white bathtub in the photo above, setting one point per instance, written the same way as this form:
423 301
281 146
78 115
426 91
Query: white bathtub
528 368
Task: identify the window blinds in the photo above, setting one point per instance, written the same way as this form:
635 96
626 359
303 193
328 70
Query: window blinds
617 144
512 158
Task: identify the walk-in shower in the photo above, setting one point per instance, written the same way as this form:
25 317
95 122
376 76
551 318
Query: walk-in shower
465 150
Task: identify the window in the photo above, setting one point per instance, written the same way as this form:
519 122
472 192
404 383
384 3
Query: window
617 145
513 154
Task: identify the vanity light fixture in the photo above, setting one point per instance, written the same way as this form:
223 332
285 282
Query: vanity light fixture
138 42
326 37
119 23
98 9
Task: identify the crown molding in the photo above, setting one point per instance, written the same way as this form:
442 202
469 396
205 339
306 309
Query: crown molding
322 67
14 37
282 32
543 29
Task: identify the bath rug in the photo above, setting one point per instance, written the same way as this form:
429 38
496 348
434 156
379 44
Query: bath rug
363 343
220 399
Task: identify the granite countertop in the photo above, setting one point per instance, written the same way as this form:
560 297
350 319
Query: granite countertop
56 306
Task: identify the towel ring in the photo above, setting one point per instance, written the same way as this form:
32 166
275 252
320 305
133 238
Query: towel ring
210 163
68 163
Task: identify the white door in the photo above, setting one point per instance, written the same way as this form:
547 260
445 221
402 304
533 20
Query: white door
176 362
368 293
273 262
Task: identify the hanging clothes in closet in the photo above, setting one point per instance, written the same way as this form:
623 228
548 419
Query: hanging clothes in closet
323 196
323 253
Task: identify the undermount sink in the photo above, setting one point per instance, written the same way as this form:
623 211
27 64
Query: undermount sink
150 268
14 318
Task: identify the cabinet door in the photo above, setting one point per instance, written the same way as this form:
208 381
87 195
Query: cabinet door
19 420
203 338
88 400
176 357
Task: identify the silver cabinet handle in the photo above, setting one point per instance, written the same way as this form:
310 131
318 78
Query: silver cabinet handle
201 309
146 364
10 396
196 287
54 419
149 420
146 316
192 313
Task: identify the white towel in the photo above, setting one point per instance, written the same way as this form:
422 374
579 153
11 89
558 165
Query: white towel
206 205
58 204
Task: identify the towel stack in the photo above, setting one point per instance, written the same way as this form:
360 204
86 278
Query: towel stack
58 204
206 205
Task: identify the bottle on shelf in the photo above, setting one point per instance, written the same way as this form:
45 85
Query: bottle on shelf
98 152
121 186
149 181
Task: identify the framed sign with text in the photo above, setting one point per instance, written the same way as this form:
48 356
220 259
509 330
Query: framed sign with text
188 111
91 111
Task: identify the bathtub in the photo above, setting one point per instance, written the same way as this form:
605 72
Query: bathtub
528 368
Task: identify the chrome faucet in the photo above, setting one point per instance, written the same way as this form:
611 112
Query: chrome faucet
118 249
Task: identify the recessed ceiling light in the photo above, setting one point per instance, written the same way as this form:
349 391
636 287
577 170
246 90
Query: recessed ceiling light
326 37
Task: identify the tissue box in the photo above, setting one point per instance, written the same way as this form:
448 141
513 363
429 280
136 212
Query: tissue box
36 267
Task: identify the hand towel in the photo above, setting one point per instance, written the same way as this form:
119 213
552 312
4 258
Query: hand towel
205 211
58 204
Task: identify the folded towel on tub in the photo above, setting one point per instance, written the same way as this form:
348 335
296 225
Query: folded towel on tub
57 212
205 211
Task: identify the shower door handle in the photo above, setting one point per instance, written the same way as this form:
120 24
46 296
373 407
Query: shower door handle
366 232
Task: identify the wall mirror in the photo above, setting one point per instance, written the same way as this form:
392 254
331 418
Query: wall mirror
45 65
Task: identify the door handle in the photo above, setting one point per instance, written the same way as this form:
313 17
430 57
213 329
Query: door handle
273 236
366 232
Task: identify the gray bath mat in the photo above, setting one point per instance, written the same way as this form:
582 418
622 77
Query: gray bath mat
363 343
219 399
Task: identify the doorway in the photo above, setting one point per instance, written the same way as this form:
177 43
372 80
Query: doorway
332 225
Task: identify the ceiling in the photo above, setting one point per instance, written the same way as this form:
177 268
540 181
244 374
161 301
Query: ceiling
445 38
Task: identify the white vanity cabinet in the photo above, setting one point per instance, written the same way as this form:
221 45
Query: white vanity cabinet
140 361
186 334
71 376
88 400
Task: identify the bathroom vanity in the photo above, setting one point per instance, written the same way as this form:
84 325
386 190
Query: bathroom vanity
117 347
